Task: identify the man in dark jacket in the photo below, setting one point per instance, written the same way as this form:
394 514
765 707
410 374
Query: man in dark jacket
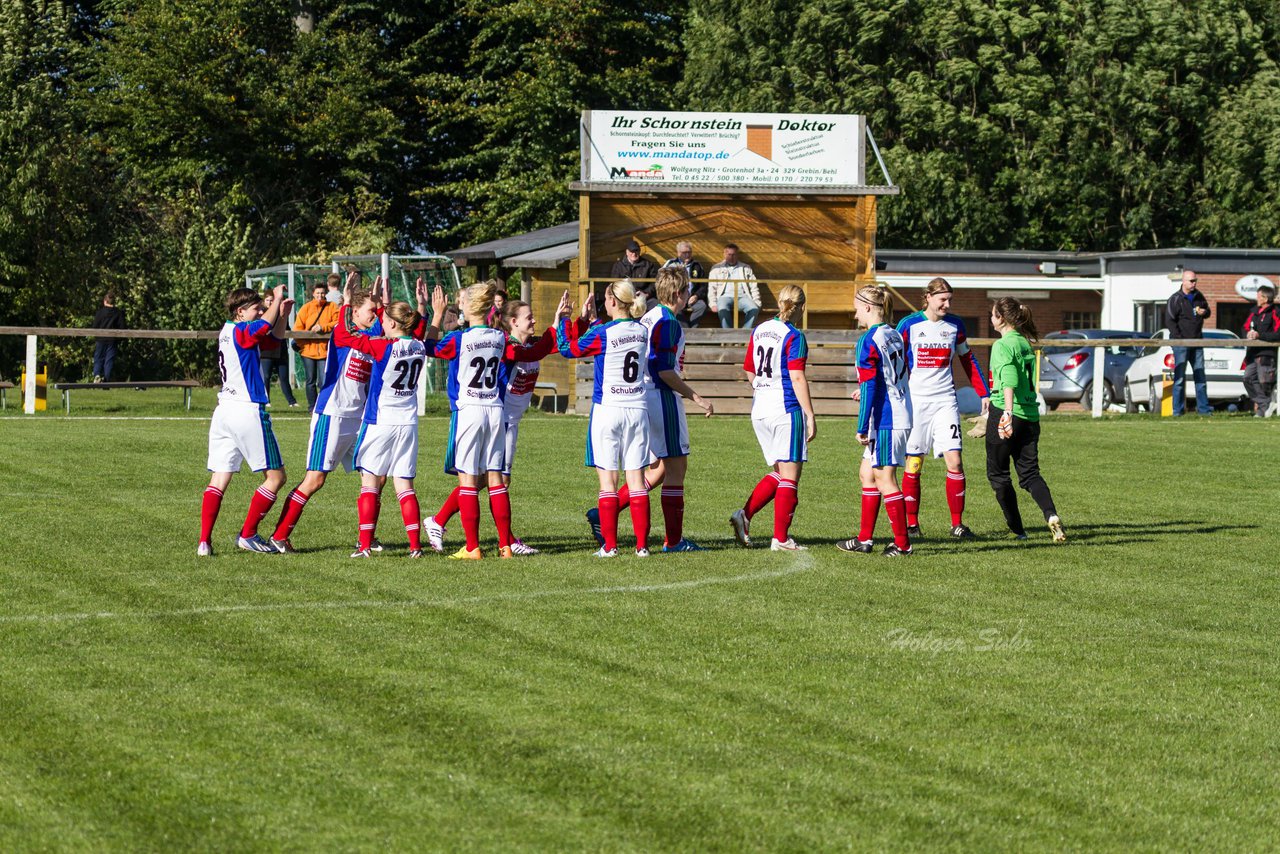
1184 315
1263 324
104 352
635 266
697 304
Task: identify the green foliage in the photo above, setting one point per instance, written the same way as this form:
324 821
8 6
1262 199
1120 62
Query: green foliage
1094 125
530 69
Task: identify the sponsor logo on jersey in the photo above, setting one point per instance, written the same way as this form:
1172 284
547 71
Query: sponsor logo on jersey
358 370
933 357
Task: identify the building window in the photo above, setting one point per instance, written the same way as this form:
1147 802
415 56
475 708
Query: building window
1080 320
1231 315
1148 317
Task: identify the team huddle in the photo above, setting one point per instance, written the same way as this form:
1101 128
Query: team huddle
365 417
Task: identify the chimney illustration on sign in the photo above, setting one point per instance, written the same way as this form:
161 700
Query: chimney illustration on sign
760 140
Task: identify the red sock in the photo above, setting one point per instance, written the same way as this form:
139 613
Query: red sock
762 494
209 506
640 519
955 496
911 494
895 508
448 508
624 496
870 510
367 514
608 506
292 512
469 510
784 509
500 507
673 513
259 506
412 515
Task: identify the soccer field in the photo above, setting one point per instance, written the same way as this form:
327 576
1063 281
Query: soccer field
1116 692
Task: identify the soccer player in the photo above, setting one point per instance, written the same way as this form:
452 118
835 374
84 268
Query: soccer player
618 433
782 415
340 406
668 429
932 338
479 360
884 422
1013 423
387 444
518 321
241 427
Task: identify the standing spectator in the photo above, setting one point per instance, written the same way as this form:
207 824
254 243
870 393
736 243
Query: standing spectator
1263 324
696 306
1013 420
335 289
1184 315
733 281
273 356
319 315
104 352
632 265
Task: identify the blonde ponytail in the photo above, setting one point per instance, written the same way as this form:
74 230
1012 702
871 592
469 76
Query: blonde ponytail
790 298
624 292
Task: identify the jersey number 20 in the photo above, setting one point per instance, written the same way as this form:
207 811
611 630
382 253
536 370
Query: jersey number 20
407 373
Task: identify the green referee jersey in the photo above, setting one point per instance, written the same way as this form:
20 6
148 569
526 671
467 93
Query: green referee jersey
1013 365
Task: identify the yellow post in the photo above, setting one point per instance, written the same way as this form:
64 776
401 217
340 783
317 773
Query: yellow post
42 388
1166 394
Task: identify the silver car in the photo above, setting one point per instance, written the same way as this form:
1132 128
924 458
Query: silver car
1066 369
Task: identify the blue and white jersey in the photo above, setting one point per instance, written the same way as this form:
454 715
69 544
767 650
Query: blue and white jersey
345 388
666 347
776 349
478 366
621 348
882 370
239 363
393 386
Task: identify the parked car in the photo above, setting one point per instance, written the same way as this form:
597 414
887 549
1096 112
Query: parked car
1223 370
1066 371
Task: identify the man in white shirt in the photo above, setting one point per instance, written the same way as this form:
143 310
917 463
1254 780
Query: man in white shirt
733 281
334 283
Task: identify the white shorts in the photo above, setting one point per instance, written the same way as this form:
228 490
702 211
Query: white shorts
332 441
887 448
241 433
668 429
782 437
387 449
936 424
511 427
617 438
477 442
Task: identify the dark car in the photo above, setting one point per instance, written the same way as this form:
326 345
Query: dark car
1066 369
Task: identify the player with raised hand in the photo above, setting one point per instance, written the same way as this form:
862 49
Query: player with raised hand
884 422
933 338
618 432
387 445
782 415
339 409
240 430
479 358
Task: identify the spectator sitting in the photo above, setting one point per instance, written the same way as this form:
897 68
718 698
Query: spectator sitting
634 266
732 280
696 307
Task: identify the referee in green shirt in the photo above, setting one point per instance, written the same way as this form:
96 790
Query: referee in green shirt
1013 422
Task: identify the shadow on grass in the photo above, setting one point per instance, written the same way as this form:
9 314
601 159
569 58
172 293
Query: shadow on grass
1111 533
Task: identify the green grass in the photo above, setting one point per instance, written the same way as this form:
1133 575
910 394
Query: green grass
726 700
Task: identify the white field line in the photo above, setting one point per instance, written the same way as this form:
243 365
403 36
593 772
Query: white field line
802 563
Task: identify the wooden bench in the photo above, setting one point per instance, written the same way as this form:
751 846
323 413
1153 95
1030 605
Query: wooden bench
5 385
185 385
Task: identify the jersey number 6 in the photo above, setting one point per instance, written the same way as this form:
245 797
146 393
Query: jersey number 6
631 367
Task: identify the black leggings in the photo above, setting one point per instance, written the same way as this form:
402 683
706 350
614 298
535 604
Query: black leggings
1023 451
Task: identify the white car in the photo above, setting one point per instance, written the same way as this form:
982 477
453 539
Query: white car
1223 371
